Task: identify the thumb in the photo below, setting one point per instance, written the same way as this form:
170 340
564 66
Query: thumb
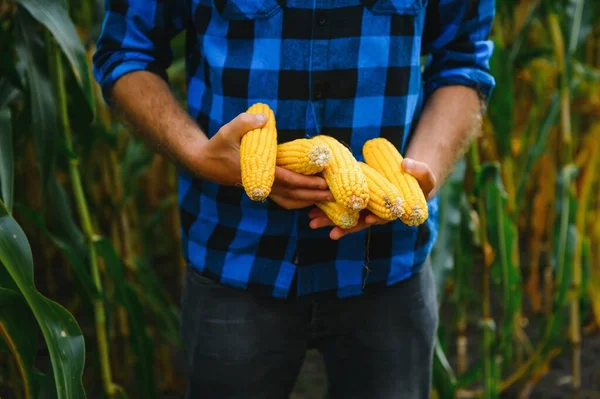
422 173
242 124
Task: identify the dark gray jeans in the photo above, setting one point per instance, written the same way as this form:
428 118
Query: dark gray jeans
379 345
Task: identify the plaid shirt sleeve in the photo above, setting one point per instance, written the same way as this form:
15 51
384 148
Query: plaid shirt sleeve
136 36
456 38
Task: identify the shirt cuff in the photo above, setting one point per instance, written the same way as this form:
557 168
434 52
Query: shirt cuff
482 82
108 74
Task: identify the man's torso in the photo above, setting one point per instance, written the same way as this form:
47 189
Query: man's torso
349 69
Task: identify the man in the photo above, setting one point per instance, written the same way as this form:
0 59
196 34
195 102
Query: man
268 280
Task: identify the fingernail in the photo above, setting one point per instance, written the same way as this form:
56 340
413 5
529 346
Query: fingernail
261 118
409 163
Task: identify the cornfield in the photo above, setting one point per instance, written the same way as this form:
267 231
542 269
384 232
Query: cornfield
91 268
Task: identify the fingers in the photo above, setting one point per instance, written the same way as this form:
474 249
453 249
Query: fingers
290 179
337 232
288 203
242 124
422 173
315 212
303 194
372 219
319 220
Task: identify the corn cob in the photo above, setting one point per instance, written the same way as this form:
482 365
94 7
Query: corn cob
382 156
385 200
258 151
303 156
344 176
339 214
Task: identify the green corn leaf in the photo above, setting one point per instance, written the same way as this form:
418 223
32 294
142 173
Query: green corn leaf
505 9
463 260
487 343
524 58
8 68
471 376
29 45
61 331
541 141
7 167
564 237
71 250
67 235
136 159
501 106
444 380
586 271
18 329
129 298
502 234
451 196
47 388
55 17
156 300
587 72
520 37
564 240
581 21
120 393
8 92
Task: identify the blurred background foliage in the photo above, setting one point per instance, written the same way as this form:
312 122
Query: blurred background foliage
91 268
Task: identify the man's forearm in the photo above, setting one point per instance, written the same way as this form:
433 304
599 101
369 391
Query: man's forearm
450 120
146 102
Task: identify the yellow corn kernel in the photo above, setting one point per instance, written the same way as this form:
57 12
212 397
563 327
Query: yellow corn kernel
304 156
385 200
344 176
339 214
382 156
258 151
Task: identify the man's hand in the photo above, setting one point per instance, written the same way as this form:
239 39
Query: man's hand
421 171
294 191
219 161
449 121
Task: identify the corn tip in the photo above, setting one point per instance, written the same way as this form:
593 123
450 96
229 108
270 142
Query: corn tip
348 221
258 194
396 209
417 216
356 203
320 155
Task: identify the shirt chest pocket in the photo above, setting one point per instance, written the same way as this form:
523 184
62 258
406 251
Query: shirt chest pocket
391 7
248 9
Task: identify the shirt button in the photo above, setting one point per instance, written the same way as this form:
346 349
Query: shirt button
322 20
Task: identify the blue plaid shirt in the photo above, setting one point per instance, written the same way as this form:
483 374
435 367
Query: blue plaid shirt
350 69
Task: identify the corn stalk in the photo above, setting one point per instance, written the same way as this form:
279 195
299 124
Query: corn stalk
57 71
587 180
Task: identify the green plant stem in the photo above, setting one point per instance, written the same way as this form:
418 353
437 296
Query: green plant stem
487 321
576 27
84 214
587 181
558 44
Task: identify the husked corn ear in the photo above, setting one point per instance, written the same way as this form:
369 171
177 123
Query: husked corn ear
304 156
344 176
339 214
382 156
258 151
385 200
